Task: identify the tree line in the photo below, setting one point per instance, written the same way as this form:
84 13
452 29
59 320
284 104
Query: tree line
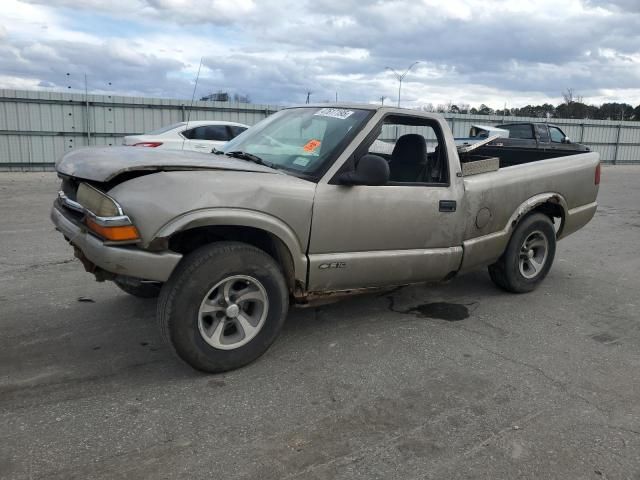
573 106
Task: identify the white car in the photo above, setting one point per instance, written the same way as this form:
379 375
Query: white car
197 135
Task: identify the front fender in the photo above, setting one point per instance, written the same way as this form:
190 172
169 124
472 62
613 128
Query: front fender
243 218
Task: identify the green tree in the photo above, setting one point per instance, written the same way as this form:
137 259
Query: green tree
484 110
615 111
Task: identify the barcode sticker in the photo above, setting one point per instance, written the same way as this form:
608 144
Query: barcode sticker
334 113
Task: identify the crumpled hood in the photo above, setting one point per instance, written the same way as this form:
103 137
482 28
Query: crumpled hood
102 164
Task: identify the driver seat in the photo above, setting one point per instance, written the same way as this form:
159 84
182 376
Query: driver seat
408 158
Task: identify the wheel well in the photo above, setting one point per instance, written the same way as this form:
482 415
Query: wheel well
552 210
189 240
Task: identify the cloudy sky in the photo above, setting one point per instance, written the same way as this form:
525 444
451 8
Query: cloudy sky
471 51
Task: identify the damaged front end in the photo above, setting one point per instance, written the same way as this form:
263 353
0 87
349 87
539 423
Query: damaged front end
104 238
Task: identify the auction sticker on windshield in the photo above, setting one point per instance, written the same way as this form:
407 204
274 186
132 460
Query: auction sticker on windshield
334 113
311 145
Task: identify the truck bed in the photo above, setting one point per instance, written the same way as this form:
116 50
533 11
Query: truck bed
517 156
489 159
567 180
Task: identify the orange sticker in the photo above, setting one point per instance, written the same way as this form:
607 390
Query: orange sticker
311 145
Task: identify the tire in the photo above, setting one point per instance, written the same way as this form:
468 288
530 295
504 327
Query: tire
518 270
137 288
223 306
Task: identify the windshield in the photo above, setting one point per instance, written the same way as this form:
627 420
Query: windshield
300 140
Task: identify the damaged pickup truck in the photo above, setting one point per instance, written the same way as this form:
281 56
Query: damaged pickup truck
298 209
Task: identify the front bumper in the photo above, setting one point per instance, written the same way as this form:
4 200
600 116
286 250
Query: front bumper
126 260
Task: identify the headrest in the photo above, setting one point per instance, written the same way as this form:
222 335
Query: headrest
410 148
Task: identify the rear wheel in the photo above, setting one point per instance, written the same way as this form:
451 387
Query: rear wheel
223 306
528 257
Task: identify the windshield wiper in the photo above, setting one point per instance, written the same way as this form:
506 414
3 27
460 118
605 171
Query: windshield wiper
217 152
249 156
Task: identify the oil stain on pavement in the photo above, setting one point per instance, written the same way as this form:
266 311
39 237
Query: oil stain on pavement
452 312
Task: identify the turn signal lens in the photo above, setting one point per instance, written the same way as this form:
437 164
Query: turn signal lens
597 177
147 144
116 234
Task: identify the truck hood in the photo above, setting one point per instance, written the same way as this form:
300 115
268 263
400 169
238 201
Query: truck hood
104 164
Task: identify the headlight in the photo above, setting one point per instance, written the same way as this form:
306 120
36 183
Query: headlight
97 202
104 217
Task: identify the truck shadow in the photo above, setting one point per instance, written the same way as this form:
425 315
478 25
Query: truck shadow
453 301
112 343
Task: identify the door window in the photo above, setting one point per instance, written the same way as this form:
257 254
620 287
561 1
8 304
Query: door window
556 135
208 132
235 131
523 130
413 147
543 133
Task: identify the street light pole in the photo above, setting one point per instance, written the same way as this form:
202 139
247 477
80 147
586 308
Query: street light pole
400 77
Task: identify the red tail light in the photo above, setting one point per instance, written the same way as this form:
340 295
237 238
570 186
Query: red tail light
147 144
597 177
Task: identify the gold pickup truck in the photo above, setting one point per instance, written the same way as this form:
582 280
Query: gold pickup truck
306 206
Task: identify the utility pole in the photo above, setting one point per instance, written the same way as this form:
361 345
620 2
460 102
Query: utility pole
308 96
382 100
400 77
86 101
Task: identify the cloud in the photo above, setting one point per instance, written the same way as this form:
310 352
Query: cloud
471 51
179 11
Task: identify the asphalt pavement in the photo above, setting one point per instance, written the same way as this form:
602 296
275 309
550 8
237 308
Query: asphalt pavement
458 380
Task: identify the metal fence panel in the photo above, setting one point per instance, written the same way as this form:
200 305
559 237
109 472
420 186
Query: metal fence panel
38 127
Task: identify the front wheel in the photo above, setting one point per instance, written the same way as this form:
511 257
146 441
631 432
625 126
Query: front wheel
223 306
528 257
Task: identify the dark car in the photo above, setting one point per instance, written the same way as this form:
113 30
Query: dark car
528 140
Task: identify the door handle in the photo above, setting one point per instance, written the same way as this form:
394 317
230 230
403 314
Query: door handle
448 205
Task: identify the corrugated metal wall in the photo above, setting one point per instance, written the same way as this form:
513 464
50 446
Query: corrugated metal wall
38 127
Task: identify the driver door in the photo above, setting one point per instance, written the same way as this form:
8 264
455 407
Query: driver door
403 232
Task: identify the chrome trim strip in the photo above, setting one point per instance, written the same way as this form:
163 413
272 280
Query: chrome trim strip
119 221
67 202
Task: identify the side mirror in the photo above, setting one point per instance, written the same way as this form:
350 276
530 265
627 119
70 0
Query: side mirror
566 140
370 170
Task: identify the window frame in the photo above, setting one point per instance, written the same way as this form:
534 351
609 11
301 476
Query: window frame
561 132
373 135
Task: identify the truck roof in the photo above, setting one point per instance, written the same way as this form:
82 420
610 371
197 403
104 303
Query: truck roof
526 123
371 107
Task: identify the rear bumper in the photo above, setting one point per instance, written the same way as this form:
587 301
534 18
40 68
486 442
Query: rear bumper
577 218
120 260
